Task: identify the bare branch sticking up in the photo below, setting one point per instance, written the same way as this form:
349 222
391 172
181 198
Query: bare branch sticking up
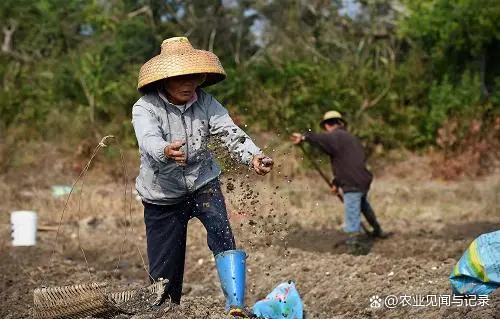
7 37
8 33
145 9
370 103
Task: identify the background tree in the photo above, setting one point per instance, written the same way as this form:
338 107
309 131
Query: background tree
398 70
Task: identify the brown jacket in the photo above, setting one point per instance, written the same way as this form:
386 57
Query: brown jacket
347 157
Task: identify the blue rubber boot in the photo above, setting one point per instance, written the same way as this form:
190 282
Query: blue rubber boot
231 266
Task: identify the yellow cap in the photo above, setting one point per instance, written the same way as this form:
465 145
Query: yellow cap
331 115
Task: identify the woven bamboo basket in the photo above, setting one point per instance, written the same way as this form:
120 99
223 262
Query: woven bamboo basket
80 301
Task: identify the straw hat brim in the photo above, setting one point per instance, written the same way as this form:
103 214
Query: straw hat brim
164 66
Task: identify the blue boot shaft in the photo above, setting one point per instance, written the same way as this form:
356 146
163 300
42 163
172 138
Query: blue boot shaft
231 266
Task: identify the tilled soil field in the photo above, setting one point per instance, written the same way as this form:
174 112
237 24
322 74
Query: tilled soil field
291 230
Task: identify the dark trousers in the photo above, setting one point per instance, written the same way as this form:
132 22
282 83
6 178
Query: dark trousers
166 231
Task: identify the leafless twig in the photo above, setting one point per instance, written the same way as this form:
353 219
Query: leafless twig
8 33
7 37
145 9
212 39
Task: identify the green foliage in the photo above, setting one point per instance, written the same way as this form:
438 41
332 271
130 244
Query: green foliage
446 100
454 33
396 73
447 25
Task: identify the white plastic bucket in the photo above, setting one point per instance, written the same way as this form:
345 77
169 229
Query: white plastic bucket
24 226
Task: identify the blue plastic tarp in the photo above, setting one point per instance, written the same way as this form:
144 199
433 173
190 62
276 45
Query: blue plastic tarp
478 271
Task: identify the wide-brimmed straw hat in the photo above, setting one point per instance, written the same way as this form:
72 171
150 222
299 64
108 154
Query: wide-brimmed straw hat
178 57
332 115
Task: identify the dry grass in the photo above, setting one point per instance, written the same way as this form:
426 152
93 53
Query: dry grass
391 198
285 199
287 194
425 213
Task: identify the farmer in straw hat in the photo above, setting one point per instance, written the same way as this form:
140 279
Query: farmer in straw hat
351 176
179 175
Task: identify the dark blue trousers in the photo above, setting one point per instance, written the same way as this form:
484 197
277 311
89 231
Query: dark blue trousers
166 231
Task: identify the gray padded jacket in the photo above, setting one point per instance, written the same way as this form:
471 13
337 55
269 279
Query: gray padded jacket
157 123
